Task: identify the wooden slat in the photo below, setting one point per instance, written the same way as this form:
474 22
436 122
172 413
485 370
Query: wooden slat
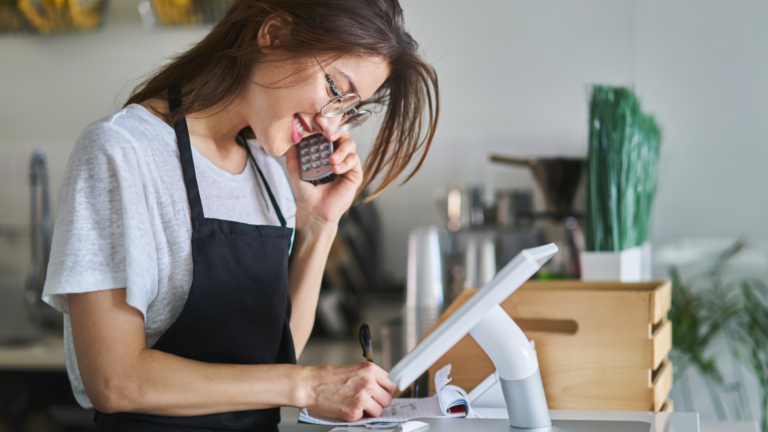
661 302
662 386
662 344
668 407
577 285
616 315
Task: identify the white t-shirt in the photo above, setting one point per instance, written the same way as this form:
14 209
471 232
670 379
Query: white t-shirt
123 219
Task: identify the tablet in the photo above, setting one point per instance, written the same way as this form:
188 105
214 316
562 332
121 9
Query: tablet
506 281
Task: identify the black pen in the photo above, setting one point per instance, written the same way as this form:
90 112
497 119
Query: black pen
365 342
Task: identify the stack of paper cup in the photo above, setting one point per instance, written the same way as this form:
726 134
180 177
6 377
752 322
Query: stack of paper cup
424 287
479 259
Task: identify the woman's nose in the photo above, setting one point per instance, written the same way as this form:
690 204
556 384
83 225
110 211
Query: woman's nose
329 126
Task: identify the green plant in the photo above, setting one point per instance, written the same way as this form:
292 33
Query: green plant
751 334
623 166
708 306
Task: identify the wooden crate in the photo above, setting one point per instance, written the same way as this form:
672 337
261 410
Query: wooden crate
668 406
601 345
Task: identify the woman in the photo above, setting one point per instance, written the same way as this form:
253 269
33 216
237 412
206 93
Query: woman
174 231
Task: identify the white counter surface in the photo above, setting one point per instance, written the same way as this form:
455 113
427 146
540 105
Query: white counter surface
660 422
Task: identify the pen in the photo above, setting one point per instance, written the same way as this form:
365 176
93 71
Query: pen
365 342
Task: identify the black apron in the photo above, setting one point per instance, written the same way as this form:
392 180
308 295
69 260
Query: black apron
238 310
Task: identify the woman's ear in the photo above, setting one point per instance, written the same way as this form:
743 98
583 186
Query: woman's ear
273 31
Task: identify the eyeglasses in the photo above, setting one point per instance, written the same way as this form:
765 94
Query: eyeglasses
344 105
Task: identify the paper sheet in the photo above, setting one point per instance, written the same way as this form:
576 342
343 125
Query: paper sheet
453 400
408 426
441 377
448 397
400 411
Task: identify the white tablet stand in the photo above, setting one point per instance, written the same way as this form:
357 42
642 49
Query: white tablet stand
503 341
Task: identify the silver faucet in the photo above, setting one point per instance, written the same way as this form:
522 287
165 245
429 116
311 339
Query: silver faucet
41 228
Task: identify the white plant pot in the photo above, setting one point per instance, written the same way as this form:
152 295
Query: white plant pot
647 274
630 265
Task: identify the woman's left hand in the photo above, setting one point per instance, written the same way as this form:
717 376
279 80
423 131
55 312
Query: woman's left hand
325 204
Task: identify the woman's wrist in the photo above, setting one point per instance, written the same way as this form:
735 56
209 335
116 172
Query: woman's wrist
303 385
310 226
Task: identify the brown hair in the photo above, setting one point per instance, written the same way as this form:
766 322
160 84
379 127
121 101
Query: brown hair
220 64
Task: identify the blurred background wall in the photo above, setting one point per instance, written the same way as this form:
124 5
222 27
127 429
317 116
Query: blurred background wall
513 78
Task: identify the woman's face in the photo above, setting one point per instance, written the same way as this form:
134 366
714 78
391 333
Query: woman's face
286 106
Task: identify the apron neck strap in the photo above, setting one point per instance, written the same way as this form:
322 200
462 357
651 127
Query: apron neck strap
185 155
266 184
188 165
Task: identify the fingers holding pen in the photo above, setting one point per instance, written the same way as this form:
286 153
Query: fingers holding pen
347 392
376 397
386 383
381 397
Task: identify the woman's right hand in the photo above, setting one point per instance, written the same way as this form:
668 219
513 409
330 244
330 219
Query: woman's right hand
348 392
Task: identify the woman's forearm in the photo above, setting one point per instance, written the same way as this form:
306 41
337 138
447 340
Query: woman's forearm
163 384
121 374
310 253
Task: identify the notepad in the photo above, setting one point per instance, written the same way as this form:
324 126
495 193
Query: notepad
453 400
400 411
450 401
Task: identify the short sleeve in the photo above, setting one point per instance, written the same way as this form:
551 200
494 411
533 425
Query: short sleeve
102 237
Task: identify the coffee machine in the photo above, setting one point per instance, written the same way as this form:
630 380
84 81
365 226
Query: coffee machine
560 181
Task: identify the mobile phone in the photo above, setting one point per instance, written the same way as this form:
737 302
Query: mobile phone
314 165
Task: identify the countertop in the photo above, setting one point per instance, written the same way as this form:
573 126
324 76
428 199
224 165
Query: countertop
22 345
659 422
45 354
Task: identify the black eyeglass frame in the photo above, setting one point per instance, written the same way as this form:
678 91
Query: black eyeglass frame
352 116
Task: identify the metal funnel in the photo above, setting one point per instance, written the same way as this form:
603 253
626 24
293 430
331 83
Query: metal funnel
557 177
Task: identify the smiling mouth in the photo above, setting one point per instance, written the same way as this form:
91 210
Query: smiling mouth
301 125
299 122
